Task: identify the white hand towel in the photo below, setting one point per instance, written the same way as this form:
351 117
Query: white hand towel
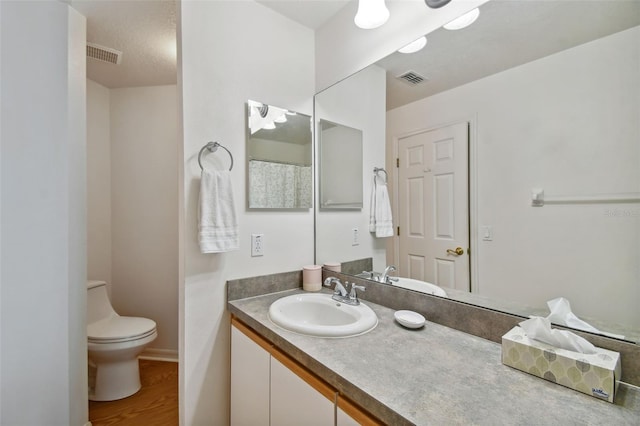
217 224
380 219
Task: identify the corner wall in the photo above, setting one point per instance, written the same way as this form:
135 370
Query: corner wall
232 51
43 241
144 195
98 184
357 102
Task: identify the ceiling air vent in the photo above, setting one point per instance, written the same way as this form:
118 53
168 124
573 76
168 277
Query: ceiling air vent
104 54
412 77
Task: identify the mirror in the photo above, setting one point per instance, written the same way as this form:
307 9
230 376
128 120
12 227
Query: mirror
279 152
552 99
340 165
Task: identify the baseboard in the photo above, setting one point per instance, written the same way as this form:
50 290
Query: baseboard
152 354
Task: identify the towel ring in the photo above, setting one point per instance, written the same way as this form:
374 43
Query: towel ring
212 147
380 169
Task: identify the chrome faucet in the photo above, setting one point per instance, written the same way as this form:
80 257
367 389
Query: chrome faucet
385 278
338 290
340 293
353 296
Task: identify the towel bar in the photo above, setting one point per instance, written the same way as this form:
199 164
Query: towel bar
212 147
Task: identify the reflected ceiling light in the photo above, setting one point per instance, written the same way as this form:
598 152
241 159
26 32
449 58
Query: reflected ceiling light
414 46
371 14
463 21
434 4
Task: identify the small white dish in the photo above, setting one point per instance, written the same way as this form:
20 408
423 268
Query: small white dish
409 319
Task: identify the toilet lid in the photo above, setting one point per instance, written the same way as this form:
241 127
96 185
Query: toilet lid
117 328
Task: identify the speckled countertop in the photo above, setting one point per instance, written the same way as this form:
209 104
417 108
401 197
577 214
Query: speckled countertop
434 375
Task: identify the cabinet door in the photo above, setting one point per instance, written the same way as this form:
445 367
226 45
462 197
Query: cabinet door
349 414
294 401
249 381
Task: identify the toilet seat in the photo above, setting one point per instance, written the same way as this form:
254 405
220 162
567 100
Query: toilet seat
117 329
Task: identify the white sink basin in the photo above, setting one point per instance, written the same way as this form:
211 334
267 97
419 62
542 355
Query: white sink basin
319 315
421 286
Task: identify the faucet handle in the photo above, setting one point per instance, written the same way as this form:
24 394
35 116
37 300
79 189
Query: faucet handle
329 280
354 287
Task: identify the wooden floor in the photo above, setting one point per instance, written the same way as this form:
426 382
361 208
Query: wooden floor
155 404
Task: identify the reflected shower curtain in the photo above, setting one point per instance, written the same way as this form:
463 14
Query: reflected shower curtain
279 186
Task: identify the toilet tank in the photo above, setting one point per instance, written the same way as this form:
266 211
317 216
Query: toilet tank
98 304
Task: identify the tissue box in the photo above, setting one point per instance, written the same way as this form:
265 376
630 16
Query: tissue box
594 374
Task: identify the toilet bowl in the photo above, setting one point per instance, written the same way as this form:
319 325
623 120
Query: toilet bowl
114 343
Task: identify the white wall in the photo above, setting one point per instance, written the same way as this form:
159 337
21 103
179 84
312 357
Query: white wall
232 51
98 183
358 102
43 294
567 123
144 195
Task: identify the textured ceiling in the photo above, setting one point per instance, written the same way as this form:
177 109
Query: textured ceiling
144 30
507 34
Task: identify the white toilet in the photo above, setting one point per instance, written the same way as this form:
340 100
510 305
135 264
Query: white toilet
114 344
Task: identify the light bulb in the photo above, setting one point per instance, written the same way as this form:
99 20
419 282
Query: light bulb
281 119
414 46
371 14
463 21
269 126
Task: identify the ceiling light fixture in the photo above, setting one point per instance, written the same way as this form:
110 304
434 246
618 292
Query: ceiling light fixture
414 46
371 14
463 21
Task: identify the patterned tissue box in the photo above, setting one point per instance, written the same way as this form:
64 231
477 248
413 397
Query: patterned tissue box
594 374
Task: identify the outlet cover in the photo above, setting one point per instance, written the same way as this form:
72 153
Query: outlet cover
355 237
257 245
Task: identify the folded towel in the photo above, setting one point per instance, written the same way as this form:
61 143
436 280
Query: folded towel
380 220
217 224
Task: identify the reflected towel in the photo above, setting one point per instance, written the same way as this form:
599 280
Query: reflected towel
380 219
217 224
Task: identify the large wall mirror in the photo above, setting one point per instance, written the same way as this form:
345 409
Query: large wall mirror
549 97
279 155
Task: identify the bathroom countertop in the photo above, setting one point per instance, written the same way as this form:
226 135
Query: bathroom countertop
434 375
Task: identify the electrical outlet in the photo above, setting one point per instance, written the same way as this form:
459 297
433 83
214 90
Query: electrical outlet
355 237
257 245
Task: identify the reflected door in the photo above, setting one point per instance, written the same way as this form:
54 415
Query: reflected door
433 206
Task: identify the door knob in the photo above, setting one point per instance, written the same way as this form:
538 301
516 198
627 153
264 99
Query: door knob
459 251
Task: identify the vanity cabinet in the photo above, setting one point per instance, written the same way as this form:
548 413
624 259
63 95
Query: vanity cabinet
295 402
250 380
269 388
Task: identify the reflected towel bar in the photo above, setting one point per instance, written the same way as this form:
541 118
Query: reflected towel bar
539 199
376 170
212 147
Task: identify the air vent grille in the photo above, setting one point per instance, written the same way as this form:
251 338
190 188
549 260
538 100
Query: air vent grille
412 77
104 54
